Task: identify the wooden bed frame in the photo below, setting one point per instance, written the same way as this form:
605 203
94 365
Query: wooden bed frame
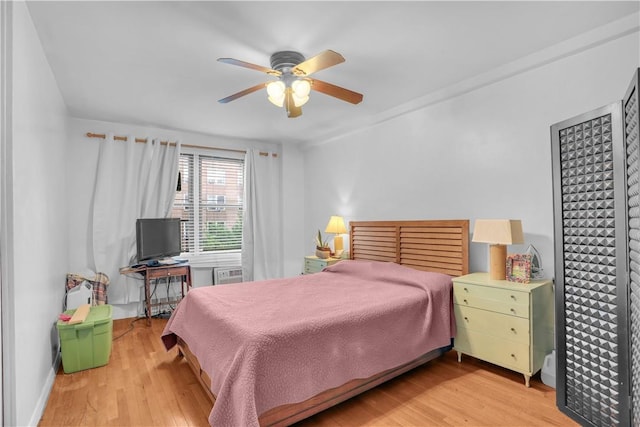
430 245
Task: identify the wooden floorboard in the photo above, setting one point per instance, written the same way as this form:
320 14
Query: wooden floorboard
143 385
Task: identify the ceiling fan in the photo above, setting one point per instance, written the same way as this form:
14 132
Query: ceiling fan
293 85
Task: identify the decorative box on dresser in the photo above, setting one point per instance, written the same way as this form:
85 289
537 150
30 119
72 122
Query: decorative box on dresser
506 323
313 264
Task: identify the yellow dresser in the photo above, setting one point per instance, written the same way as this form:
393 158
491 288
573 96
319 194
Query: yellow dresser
506 323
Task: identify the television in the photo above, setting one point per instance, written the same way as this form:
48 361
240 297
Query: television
157 238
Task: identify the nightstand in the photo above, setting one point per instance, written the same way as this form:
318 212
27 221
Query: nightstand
505 323
313 264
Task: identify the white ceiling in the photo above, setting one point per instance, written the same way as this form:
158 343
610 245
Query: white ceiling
154 63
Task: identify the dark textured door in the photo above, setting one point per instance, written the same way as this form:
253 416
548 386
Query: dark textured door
589 190
630 114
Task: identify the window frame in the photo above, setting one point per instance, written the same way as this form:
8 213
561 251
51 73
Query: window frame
221 256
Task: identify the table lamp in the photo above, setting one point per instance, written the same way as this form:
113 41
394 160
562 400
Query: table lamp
498 233
336 226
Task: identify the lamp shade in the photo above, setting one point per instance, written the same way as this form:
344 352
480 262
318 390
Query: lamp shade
498 231
336 225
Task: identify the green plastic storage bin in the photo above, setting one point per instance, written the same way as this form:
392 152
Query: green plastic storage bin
88 344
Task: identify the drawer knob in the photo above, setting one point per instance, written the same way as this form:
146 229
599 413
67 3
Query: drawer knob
513 330
465 301
513 355
466 318
513 310
513 297
466 289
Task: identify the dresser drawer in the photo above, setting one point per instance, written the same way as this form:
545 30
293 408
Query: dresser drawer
315 264
499 325
506 353
505 301
157 272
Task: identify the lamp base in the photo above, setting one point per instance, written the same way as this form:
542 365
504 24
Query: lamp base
497 262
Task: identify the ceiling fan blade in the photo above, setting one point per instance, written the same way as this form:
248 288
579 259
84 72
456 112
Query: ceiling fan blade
250 66
292 110
242 93
323 60
336 91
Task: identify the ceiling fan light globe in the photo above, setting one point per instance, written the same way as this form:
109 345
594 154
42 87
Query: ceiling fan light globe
277 101
301 88
299 101
276 89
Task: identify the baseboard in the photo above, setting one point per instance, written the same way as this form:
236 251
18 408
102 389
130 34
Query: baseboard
46 391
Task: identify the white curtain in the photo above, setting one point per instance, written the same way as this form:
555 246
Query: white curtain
262 219
133 181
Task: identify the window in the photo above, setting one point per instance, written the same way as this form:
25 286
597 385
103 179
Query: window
210 203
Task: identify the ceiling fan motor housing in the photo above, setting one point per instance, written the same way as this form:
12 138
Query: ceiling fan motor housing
285 60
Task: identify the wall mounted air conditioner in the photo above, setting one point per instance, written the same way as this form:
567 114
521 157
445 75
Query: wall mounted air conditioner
226 275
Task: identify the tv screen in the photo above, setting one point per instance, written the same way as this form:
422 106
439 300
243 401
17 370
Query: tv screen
157 238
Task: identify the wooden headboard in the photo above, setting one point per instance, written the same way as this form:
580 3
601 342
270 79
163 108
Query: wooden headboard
431 245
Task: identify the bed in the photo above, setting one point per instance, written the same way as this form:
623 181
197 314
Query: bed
288 352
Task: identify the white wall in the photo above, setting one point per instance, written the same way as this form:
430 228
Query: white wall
38 210
483 154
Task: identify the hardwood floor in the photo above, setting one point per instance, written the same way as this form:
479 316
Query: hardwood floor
143 385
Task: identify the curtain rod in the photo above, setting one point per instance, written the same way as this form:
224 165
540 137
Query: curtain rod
144 141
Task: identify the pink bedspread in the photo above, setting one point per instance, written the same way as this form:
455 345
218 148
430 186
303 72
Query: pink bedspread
268 343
